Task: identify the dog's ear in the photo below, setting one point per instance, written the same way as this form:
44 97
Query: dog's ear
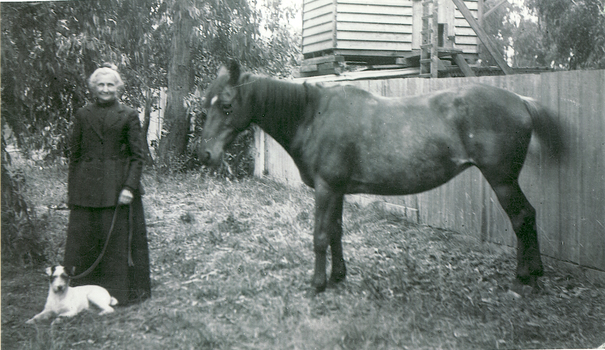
72 271
49 271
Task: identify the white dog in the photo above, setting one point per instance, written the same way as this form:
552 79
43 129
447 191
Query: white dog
65 301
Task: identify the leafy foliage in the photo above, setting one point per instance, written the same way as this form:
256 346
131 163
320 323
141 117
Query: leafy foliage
575 29
21 242
48 51
499 26
255 34
39 87
528 47
50 48
568 35
517 37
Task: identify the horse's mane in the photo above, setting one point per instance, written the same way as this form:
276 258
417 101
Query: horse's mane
272 95
274 103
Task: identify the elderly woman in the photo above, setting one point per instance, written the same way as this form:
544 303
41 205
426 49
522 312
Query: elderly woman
104 194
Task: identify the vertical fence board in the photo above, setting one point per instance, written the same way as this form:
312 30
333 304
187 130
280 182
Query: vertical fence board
549 211
259 152
592 131
571 168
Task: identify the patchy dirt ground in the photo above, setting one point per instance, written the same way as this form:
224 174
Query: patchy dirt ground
232 262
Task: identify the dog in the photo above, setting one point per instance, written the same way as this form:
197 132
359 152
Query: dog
66 301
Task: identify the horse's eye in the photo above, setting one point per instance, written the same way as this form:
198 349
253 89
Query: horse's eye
227 108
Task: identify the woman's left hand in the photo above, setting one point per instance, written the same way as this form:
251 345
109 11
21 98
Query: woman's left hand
125 197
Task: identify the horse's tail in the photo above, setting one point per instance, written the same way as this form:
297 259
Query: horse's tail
546 127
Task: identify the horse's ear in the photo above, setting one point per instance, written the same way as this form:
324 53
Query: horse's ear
234 72
228 94
222 71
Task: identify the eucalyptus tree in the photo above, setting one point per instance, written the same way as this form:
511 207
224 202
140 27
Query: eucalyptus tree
498 25
49 48
574 29
566 35
206 33
43 68
517 35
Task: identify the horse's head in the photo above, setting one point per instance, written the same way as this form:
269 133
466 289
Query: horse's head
225 117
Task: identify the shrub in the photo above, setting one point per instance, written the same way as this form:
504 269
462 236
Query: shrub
20 242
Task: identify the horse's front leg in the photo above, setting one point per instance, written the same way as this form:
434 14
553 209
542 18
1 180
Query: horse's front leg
327 232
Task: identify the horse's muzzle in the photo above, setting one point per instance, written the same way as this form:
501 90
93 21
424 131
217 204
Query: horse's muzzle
204 157
210 158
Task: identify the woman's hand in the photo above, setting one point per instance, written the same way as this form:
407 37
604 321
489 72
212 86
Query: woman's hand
125 197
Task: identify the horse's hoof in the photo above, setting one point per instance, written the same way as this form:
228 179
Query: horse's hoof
319 287
538 271
334 280
531 280
536 285
319 283
526 285
311 293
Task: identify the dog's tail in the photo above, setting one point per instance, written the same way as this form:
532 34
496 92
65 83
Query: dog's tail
113 301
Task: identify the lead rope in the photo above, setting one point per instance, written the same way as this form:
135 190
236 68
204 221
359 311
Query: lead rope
113 222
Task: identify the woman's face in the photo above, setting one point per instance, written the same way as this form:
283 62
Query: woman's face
106 88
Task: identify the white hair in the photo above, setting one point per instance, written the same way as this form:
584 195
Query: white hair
94 77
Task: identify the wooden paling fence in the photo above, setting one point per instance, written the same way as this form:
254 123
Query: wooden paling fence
568 194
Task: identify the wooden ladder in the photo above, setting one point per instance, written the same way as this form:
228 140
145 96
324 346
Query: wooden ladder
429 58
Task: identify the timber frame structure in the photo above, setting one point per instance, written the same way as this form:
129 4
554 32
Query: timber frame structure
433 36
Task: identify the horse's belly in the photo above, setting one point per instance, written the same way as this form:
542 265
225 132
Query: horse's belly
400 179
390 188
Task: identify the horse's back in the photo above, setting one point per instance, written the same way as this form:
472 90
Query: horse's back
369 143
409 144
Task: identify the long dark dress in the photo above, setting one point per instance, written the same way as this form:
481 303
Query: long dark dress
106 156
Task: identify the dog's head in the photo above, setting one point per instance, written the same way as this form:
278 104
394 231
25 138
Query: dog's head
59 278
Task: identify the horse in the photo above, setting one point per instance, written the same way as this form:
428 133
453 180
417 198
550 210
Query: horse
345 140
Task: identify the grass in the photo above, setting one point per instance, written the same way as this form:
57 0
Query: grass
231 269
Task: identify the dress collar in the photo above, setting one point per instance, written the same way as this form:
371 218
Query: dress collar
105 104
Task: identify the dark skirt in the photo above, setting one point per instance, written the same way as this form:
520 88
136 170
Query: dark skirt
86 235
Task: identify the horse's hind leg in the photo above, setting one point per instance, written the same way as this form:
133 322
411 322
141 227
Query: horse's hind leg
523 219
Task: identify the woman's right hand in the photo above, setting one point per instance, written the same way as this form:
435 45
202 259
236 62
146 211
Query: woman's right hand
126 197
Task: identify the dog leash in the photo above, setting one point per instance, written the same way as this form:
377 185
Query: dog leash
130 232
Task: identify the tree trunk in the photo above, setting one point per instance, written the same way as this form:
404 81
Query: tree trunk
180 81
146 123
